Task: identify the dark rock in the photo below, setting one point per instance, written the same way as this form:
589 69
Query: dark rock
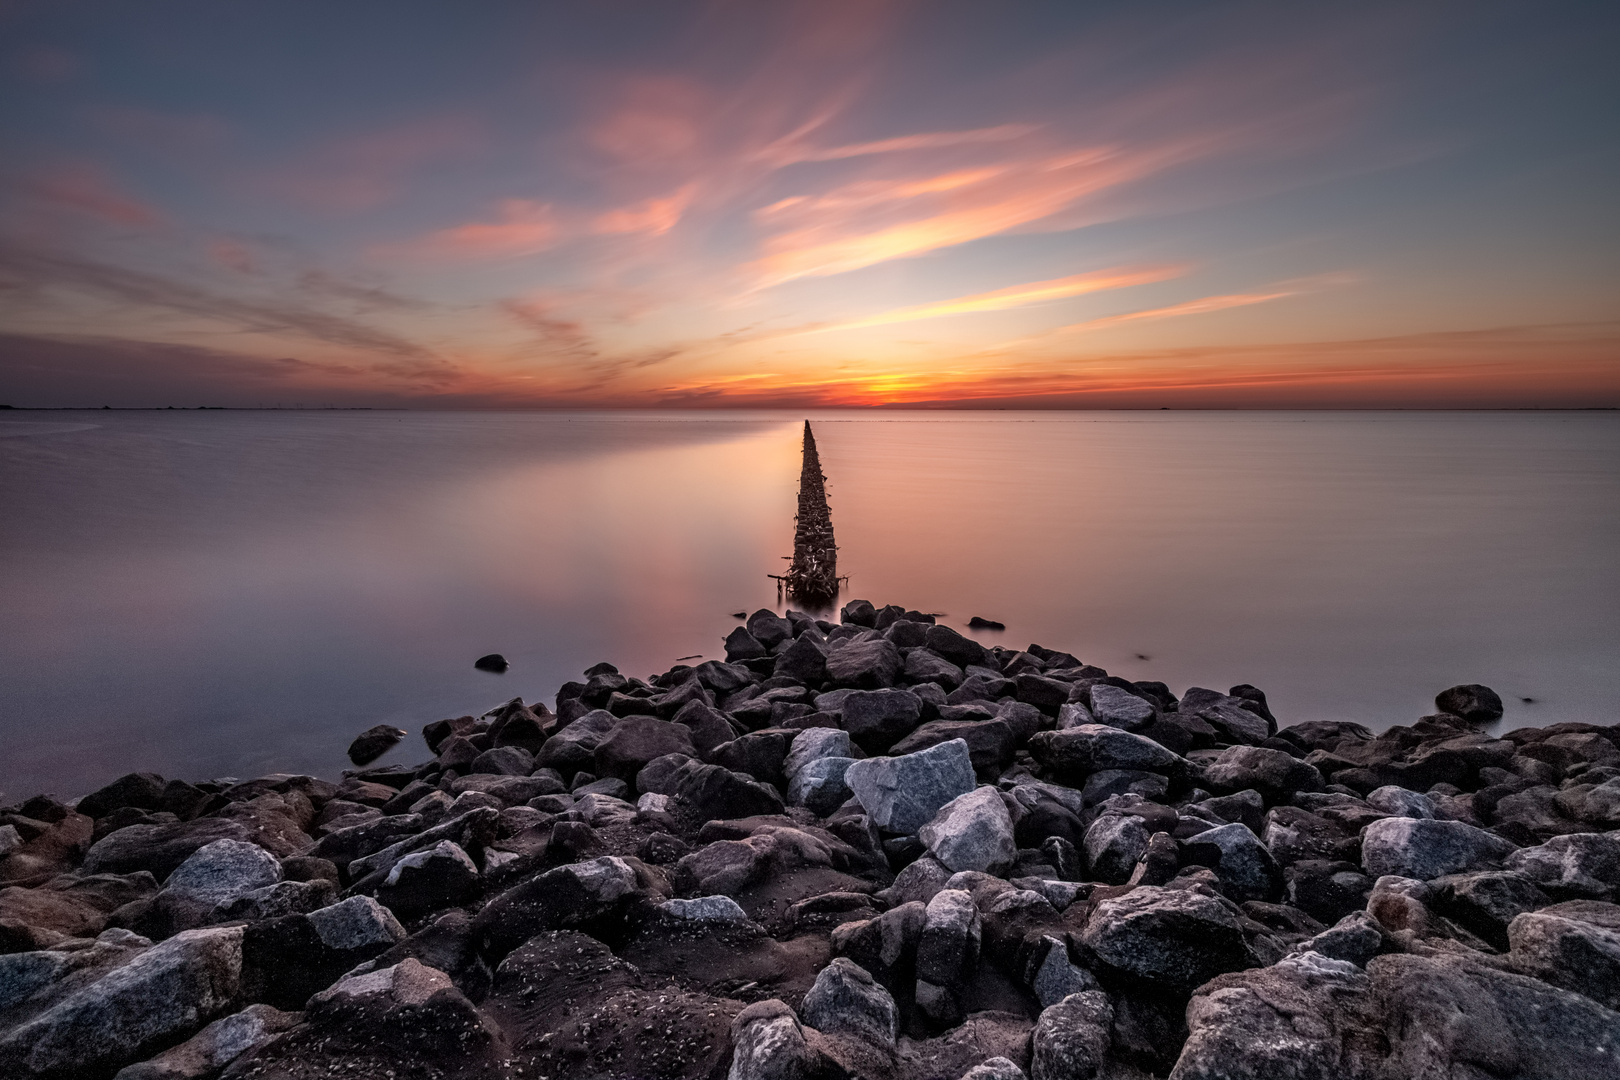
574 747
1424 849
846 1000
947 954
1244 866
429 880
143 791
373 742
709 792
741 645
568 897
1276 775
1169 937
759 754
158 849
1072 1038
1577 866
636 740
972 832
494 662
805 659
1574 945
1079 751
1472 702
991 743
977 623
864 665
858 613
1113 845
961 651
1327 890
1485 902
924 665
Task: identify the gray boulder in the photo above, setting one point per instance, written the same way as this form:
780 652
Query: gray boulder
355 925
864 665
441 876
996 1068
972 832
1246 869
819 785
223 870
1426 849
769 1043
812 744
846 1000
1072 1038
1171 937
705 909
1120 708
1399 802
166 994
902 794
1273 773
1576 866
1114 844
1052 976
1575 945
947 954
214 1047
1355 939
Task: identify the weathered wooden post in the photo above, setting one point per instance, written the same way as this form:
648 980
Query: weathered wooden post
812 576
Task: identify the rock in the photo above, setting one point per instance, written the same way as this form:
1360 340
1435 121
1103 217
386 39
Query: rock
1448 1016
1574 945
637 740
1398 802
564 898
1327 890
1424 849
1486 901
74 906
573 748
1072 1038
770 1044
1052 976
864 665
425 881
1472 702
356 925
741 645
1307 1017
1246 869
814 743
991 743
901 794
1354 939
805 660
996 1068
141 790
1171 937
961 651
924 666
820 785
503 761
1595 805
493 662
1273 773
469 831
223 870
947 954
705 909
165 994
759 754
1120 708
1577 866
158 849
1079 751
711 792
1113 845
972 832
214 1047
374 742
846 1000
919 880
878 719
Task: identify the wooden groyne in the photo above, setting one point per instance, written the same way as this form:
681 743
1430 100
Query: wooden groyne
812 576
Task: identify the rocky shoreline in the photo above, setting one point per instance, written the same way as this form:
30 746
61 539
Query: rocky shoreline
872 848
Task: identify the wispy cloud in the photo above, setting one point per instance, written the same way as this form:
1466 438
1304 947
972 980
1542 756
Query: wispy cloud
86 189
522 227
1035 292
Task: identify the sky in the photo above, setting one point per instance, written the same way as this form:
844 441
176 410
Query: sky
1053 205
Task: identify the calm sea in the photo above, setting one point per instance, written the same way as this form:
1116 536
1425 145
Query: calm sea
229 593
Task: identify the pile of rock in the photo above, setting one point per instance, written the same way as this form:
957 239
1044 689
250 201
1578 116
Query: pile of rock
873 849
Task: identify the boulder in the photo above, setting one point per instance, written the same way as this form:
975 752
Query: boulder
1427 849
924 665
711 792
814 743
996 1068
573 748
991 743
164 995
428 880
158 849
564 898
846 1000
741 645
223 870
947 953
374 742
901 794
1053 976
820 785
1472 702
1355 939
1486 901
141 790
714 909
1273 773
1170 937
878 719
959 650
769 1043
804 660
214 1047
1446 1015
1307 1017
1072 1038
503 761
1398 802
864 665
972 832
1244 866
1574 945
637 740
1113 845
1077 752
1120 708
1576 866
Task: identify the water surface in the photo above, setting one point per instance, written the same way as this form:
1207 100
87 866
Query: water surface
229 593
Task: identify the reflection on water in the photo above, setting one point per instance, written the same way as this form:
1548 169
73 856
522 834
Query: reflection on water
210 593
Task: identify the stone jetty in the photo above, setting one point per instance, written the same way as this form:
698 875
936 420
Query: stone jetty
812 578
873 848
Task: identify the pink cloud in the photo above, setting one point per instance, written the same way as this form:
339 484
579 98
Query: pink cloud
85 188
523 227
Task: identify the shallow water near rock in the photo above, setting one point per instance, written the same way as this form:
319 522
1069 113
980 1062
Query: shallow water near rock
233 593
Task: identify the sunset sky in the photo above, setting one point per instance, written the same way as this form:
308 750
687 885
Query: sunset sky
773 204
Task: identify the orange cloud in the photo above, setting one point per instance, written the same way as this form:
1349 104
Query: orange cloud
1012 296
1190 307
524 228
785 153
654 217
